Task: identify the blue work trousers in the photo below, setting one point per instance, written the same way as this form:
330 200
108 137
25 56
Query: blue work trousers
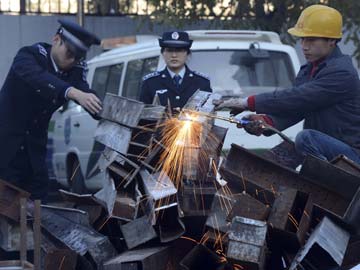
323 146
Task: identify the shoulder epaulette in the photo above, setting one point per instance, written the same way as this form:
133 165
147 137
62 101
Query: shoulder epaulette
201 75
150 75
42 50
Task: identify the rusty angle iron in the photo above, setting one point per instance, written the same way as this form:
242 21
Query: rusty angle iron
253 168
325 249
247 243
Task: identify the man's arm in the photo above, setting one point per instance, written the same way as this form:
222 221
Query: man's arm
331 87
89 101
27 66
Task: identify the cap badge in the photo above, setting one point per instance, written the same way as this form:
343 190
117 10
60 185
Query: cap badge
175 35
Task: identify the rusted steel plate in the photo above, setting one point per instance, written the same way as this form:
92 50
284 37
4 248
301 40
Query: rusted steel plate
23 230
54 255
121 110
138 232
339 180
10 200
319 244
202 101
352 214
284 154
151 112
10 235
248 207
113 136
140 259
239 184
75 215
154 152
346 164
330 177
352 253
86 199
170 225
220 209
196 200
109 156
107 195
270 175
290 218
200 257
81 239
125 207
247 242
210 154
15 265
159 188
37 234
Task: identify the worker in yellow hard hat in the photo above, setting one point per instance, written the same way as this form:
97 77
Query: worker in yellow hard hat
326 92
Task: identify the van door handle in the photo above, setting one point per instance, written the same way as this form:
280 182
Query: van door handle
77 124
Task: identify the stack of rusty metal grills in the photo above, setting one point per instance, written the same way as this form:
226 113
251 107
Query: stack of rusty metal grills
254 213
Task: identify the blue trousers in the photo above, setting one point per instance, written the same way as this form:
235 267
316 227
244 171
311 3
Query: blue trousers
323 146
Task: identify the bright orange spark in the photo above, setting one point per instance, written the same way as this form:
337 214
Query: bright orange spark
183 139
293 220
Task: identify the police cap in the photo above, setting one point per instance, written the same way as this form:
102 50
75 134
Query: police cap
176 39
77 38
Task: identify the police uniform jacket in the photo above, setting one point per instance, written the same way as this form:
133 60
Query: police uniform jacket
328 101
31 93
161 84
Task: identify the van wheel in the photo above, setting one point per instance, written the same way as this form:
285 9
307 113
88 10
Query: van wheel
76 179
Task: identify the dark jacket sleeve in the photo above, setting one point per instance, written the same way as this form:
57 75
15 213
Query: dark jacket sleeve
207 87
78 78
146 94
284 122
28 67
332 85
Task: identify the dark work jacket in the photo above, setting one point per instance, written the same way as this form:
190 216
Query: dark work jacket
329 101
160 83
31 93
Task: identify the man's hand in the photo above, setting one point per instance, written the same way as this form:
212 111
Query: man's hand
236 105
89 101
257 124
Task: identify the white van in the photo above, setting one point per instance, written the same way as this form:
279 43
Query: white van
239 63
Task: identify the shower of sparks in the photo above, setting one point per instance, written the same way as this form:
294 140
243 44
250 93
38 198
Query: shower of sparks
182 138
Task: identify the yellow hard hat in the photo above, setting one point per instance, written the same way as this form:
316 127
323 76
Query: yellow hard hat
318 21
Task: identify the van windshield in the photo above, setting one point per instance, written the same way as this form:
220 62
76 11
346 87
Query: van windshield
238 73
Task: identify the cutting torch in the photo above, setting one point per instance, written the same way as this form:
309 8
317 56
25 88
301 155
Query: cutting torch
236 120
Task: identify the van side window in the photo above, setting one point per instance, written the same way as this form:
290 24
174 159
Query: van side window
137 69
107 79
113 83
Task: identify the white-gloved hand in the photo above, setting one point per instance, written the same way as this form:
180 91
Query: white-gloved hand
236 105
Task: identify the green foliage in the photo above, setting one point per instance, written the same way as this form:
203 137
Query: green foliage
276 15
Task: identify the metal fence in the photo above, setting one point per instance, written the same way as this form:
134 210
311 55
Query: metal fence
95 7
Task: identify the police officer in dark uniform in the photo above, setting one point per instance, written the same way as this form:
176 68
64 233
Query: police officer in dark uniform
176 83
41 79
